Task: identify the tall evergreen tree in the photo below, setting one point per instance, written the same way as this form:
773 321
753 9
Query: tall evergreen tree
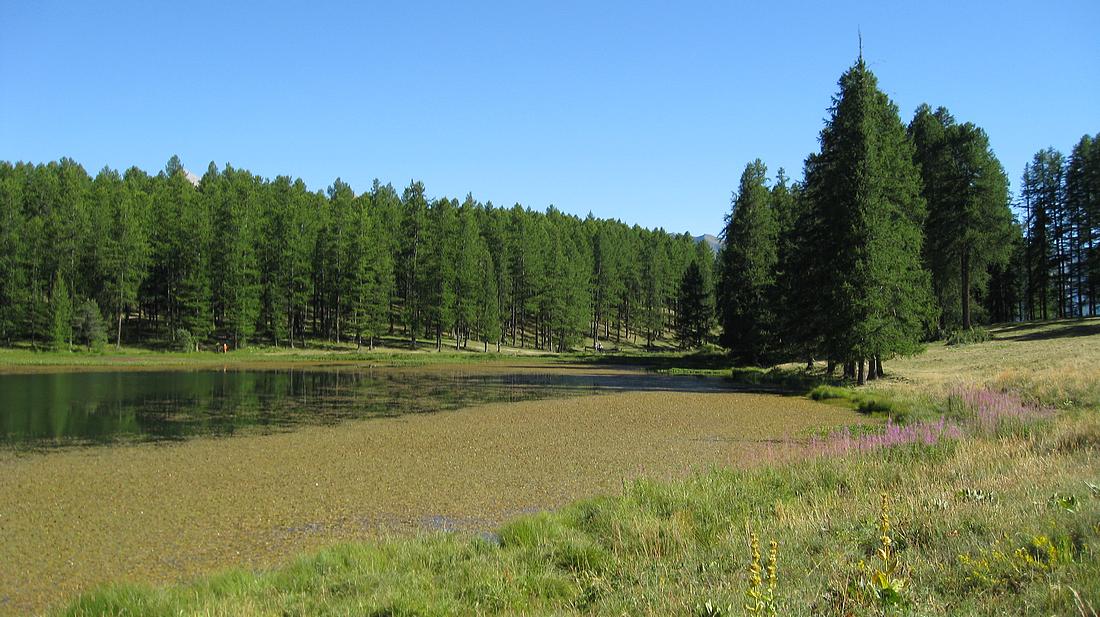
61 314
651 299
413 256
1082 198
969 224
693 321
123 259
184 235
748 265
869 216
232 197
13 253
1042 195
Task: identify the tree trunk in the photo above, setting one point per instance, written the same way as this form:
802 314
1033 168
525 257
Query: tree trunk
878 366
860 380
965 288
830 367
872 368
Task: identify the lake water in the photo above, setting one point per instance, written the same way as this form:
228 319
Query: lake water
51 409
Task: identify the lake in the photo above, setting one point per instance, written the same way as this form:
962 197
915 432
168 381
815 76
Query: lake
50 409
165 475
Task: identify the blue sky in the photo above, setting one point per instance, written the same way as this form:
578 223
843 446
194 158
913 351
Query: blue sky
642 111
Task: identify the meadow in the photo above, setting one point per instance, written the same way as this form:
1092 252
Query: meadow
979 496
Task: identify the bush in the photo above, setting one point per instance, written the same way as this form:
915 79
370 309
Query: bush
88 326
968 336
183 340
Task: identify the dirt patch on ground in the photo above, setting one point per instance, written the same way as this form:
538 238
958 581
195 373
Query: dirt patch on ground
163 512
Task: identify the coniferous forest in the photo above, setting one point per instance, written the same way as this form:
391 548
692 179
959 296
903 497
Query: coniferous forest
896 234
171 260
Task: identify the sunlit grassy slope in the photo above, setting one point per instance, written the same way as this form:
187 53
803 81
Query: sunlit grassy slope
997 523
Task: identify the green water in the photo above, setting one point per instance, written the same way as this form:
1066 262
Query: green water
50 409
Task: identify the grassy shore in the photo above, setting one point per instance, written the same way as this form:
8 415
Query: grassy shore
998 513
389 351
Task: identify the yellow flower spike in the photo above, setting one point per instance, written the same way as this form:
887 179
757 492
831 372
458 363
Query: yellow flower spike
773 559
756 603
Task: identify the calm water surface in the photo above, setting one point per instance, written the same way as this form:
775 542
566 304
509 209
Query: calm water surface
51 409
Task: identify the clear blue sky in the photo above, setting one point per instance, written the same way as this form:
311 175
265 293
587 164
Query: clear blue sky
643 111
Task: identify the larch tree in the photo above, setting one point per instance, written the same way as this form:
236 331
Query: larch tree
693 320
747 269
969 224
61 314
411 270
13 257
123 258
1082 196
232 197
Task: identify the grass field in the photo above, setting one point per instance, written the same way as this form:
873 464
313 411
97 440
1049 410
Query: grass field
992 517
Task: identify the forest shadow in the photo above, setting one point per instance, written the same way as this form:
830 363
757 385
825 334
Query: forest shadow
1067 329
659 362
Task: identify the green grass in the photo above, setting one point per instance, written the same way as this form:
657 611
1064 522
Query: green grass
988 525
23 359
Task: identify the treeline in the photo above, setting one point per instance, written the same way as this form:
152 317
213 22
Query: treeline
233 258
898 234
1056 271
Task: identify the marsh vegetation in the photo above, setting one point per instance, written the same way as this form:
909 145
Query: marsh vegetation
1001 516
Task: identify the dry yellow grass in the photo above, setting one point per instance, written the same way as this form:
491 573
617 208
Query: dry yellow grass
1054 361
158 513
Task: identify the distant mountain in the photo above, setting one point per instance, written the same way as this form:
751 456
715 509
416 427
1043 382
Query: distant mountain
192 178
711 241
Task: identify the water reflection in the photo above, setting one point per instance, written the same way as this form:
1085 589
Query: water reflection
101 407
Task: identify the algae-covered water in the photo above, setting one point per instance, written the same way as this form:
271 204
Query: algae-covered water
189 472
48 409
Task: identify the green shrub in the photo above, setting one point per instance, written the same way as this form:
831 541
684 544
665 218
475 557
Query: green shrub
975 334
824 393
183 340
88 326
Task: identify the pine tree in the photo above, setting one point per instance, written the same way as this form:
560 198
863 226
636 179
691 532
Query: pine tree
1082 196
748 266
88 327
467 277
379 266
868 221
232 198
288 229
693 320
653 271
13 253
437 286
413 256
185 233
122 264
969 224
61 315
1042 194
487 319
